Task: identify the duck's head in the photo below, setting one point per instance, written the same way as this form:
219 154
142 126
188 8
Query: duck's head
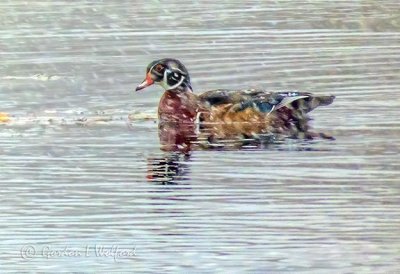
169 73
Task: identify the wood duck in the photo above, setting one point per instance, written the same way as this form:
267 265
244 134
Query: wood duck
218 115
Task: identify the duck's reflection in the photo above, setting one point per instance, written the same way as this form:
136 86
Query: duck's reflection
178 140
176 136
169 168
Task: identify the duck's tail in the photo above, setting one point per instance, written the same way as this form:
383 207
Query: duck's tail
295 111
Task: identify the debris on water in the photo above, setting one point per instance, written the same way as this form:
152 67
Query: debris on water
38 77
4 117
81 117
135 116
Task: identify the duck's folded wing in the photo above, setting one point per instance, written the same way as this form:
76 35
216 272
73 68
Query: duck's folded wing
223 96
264 101
303 101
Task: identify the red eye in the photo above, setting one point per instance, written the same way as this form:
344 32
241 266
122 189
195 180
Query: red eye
159 68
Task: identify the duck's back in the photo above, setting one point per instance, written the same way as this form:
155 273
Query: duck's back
253 113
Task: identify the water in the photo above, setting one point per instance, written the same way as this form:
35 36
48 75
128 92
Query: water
81 166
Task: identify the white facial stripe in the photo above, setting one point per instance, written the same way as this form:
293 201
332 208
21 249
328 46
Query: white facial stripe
151 69
165 81
177 69
178 84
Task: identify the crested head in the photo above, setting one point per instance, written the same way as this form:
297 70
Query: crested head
169 73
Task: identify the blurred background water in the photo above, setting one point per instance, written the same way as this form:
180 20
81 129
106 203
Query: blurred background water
80 158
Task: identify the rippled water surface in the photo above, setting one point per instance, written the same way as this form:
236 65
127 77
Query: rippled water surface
81 167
